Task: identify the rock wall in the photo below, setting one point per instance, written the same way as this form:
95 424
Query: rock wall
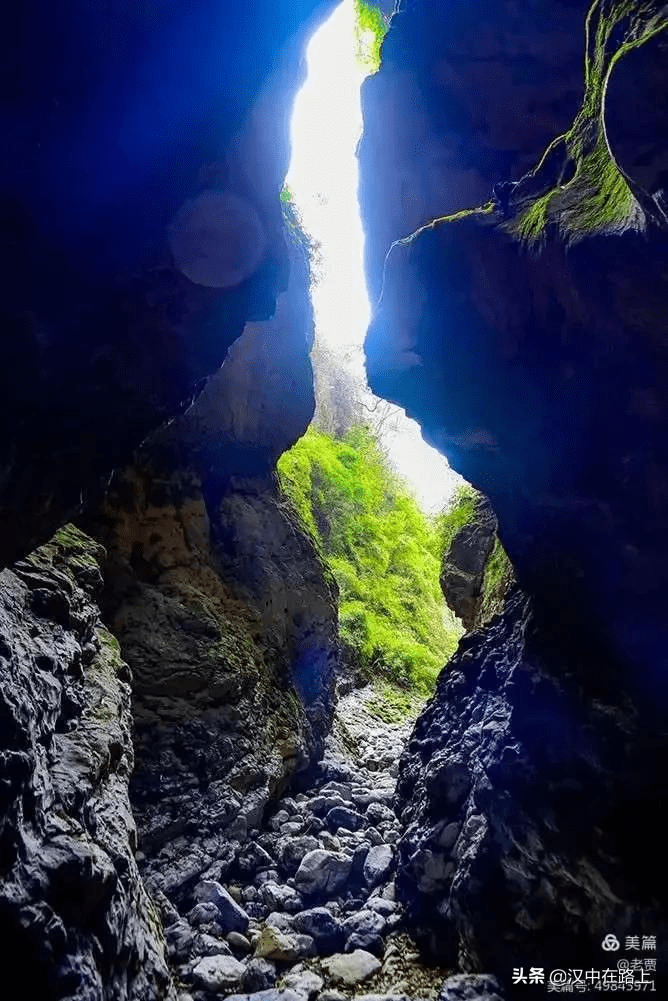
520 800
527 338
465 98
141 203
74 915
142 207
475 571
222 606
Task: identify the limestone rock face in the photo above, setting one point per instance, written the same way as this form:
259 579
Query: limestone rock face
148 147
73 910
468 95
518 798
222 606
528 339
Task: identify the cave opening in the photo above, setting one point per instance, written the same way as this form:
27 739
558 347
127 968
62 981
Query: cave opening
383 506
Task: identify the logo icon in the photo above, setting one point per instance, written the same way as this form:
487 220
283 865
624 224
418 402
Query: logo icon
610 943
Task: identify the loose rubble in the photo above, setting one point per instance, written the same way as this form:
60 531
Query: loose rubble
307 909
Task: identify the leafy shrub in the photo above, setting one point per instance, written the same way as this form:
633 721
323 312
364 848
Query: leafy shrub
370 30
383 552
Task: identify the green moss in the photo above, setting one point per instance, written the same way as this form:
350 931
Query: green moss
382 551
597 199
481 210
393 704
110 643
370 30
498 576
531 225
460 511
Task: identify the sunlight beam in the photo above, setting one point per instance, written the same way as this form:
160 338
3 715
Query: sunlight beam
323 180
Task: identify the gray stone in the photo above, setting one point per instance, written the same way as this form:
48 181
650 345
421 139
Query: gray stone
218 973
280 897
364 930
207 945
273 994
305 983
471 987
351 968
346 817
378 864
382 906
203 914
260 974
322 926
285 947
231 916
291 851
253 859
239 943
378 812
179 937
284 922
322 872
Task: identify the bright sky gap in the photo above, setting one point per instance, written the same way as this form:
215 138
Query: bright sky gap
323 180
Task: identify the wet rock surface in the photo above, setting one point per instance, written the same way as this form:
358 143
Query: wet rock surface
318 921
430 145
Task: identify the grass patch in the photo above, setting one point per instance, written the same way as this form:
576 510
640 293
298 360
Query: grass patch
392 704
383 552
461 511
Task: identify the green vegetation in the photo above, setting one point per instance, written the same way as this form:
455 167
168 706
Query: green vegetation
393 704
370 30
597 199
383 552
297 235
498 572
460 512
498 577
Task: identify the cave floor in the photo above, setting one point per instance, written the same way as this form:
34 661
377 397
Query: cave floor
314 915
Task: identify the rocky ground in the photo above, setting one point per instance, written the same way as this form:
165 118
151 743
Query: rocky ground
309 908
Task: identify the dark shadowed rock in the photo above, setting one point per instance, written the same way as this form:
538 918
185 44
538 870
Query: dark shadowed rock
231 916
120 300
471 987
528 338
464 562
378 864
73 909
516 852
322 873
322 926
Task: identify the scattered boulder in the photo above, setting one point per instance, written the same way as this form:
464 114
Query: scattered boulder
305 983
378 864
259 976
283 946
322 872
352 968
231 916
218 973
471 987
322 926
344 816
